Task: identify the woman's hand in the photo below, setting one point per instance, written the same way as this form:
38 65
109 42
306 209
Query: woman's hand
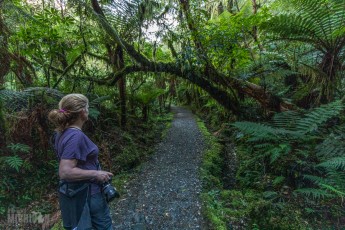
103 176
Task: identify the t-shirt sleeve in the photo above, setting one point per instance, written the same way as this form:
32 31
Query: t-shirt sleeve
75 148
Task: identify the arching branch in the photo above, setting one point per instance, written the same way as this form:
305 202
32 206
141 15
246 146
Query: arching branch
210 80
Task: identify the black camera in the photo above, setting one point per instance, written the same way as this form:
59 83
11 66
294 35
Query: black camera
109 191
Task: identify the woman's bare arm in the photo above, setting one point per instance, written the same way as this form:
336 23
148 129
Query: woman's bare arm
68 170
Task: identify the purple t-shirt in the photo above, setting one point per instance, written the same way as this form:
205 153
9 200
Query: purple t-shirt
72 143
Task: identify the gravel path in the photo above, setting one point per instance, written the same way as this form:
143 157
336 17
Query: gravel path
165 193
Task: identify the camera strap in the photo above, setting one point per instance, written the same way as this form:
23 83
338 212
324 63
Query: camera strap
98 166
70 189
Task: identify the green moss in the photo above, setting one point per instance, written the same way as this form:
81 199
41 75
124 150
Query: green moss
58 226
210 172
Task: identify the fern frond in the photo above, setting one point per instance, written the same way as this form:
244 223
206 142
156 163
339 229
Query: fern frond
315 179
336 177
313 120
278 151
49 91
312 21
286 120
336 163
14 100
14 162
263 146
326 183
313 193
18 147
333 189
332 146
99 100
260 132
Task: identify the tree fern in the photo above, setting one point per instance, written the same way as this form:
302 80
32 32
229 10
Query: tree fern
16 100
319 23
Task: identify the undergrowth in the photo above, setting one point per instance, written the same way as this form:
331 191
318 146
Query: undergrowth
289 175
210 173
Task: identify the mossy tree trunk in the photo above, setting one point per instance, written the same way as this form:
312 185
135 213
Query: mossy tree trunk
4 69
120 64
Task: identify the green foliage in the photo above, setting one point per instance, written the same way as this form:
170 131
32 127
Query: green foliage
14 162
148 94
294 155
210 173
336 162
129 157
314 119
93 111
18 147
318 27
298 155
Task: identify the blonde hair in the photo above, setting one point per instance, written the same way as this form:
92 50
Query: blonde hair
69 110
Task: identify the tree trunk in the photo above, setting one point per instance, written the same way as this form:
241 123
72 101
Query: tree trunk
4 69
145 113
255 28
120 64
230 6
4 55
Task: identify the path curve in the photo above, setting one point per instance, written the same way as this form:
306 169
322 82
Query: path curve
166 192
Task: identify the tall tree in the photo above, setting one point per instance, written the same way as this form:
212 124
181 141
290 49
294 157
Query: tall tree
4 68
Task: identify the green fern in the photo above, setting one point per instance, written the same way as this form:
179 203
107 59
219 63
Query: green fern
315 179
336 163
307 20
313 193
332 146
317 117
93 111
286 120
278 151
14 162
329 183
261 132
293 138
99 100
319 24
334 190
19 148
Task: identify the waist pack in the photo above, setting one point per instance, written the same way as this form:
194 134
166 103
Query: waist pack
74 204
70 189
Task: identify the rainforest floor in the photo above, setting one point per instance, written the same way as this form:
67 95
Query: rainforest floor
165 193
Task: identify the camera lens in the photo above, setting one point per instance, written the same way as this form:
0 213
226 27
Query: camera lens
109 192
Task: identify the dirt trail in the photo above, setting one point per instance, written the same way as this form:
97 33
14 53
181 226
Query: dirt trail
165 193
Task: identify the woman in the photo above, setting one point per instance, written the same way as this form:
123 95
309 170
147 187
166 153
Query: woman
82 204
